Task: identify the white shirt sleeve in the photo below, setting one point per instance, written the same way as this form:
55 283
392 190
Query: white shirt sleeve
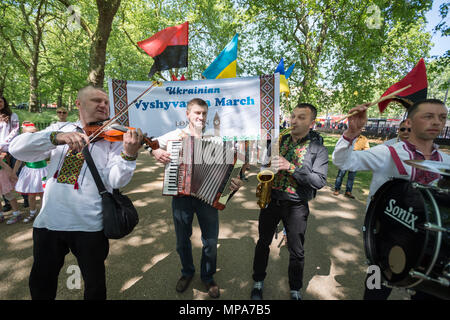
118 171
31 147
164 139
374 159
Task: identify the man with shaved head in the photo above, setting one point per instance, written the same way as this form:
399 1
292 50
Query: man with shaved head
71 214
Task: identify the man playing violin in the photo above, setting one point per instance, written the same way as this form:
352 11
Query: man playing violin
70 217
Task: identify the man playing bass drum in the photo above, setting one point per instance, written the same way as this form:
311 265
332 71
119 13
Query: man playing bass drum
426 119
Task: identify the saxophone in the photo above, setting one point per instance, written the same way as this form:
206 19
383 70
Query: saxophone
264 188
265 177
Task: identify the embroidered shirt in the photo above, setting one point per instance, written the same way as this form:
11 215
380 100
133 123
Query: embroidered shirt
378 160
419 175
294 153
65 208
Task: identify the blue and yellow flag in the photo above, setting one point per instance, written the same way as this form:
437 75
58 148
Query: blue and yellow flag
289 71
284 86
224 66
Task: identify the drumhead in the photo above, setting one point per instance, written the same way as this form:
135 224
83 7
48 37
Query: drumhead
394 237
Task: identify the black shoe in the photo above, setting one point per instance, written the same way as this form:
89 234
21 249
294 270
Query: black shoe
257 291
256 294
213 289
7 207
183 283
295 295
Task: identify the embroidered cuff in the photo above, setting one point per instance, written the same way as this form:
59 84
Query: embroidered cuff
291 169
53 137
127 157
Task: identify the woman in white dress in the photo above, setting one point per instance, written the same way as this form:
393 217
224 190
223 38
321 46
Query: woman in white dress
31 178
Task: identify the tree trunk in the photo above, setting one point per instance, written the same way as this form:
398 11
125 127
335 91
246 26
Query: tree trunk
69 104
34 82
106 12
59 101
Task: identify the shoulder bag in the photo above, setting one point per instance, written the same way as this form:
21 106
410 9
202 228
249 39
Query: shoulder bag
119 214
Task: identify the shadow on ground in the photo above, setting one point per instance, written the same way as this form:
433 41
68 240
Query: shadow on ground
145 265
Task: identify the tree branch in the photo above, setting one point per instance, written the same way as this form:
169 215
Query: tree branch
83 22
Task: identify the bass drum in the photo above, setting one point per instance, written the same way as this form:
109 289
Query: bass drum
406 234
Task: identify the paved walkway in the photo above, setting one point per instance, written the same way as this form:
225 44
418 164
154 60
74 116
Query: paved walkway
145 265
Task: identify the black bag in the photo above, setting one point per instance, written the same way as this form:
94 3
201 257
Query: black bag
119 214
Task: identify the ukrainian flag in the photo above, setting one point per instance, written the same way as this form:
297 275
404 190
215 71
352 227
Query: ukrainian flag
289 71
224 66
284 87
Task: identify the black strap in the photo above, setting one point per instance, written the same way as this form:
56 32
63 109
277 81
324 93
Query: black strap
94 171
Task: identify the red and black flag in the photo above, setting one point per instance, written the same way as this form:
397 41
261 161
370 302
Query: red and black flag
417 79
182 78
168 47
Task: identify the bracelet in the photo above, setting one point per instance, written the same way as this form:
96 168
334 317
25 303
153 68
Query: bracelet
127 157
53 137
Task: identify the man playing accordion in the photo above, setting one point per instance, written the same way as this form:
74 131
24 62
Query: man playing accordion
184 207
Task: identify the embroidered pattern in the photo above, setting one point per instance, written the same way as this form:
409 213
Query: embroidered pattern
127 158
294 153
53 137
119 88
267 98
71 168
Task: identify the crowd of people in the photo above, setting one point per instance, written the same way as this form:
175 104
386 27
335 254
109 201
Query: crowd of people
300 168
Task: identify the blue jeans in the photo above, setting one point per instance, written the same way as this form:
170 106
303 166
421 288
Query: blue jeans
208 218
350 180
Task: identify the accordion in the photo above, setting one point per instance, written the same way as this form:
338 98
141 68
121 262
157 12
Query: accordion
202 168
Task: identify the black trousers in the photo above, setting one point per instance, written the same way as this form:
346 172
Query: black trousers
294 216
49 251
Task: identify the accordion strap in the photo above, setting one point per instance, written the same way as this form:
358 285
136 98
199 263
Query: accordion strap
94 171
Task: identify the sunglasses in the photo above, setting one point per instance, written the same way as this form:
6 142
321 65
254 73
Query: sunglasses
63 112
404 129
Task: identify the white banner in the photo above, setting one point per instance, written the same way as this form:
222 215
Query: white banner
239 108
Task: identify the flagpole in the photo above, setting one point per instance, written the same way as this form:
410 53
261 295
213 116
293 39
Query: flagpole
389 96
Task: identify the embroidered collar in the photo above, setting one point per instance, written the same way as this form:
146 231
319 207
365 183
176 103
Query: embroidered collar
300 141
413 148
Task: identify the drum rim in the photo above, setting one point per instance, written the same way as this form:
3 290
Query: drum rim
369 246
438 244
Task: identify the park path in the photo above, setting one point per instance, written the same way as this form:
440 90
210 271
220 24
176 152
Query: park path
144 265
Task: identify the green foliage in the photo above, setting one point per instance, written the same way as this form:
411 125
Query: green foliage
45 116
341 60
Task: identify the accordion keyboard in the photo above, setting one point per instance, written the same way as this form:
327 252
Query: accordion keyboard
170 186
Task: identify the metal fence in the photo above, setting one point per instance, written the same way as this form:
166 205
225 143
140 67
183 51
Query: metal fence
387 133
42 125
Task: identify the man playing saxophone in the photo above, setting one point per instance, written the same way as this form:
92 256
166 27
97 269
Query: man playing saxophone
300 170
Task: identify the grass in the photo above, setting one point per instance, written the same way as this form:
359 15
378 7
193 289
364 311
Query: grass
46 116
362 179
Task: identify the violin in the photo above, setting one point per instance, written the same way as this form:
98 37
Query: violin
113 133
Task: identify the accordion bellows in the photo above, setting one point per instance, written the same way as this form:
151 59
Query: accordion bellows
202 168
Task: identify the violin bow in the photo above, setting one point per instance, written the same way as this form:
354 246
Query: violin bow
118 115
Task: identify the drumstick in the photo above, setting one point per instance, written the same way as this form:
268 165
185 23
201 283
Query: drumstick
389 96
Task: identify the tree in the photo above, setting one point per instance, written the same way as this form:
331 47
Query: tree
25 40
338 44
106 9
